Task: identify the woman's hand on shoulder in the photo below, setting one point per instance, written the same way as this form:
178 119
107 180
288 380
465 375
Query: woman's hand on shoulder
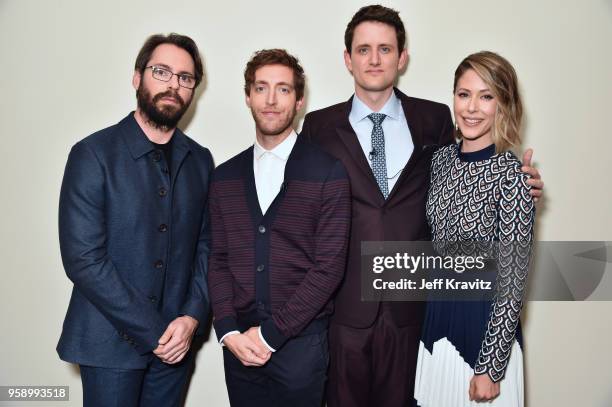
535 180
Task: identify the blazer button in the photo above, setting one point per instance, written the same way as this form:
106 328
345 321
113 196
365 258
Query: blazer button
162 192
261 229
156 156
261 267
163 227
159 264
152 298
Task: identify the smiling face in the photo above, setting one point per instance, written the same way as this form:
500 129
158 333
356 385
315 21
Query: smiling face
164 103
474 107
273 101
375 59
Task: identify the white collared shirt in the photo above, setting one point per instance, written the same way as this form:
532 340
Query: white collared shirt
269 169
398 141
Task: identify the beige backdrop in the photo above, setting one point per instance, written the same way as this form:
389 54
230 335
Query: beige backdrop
66 69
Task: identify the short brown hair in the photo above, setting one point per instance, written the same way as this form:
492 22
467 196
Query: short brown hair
380 14
500 77
275 56
181 41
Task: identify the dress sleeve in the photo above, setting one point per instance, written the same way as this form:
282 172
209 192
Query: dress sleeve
516 214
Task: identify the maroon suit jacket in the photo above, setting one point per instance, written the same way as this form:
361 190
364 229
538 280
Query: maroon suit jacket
401 216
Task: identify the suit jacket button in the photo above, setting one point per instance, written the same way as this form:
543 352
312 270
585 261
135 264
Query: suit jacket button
163 227
162 192
156 156
159 264
261 267
261 229
152 298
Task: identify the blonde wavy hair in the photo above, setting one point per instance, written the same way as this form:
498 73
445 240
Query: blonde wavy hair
501 79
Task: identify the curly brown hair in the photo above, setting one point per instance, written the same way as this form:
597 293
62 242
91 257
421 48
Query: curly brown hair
275 56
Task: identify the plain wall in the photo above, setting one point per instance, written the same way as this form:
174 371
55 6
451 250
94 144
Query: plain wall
66 69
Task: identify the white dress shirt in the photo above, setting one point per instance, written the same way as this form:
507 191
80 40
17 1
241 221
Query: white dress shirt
398 141
269 170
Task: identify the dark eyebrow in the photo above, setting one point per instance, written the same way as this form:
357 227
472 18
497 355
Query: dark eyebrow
170 69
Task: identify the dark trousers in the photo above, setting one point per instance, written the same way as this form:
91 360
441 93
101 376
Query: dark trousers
159 385
372 366
293 377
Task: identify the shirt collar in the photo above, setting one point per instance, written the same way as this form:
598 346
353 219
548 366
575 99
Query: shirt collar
360 111
281 151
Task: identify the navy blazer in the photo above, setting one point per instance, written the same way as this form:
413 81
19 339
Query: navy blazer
134 237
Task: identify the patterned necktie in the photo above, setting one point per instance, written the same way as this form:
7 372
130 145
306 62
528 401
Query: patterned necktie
377 156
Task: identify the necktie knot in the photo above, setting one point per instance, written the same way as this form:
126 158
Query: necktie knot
377 118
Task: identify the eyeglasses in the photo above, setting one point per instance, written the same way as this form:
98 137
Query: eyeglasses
162 74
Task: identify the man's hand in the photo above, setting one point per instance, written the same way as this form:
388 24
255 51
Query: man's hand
535 181
246 350
482 388
253 334
176 340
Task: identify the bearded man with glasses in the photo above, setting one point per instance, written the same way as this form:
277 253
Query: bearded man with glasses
134 235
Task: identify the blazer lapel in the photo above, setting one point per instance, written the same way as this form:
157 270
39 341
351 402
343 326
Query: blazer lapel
347 135
416 132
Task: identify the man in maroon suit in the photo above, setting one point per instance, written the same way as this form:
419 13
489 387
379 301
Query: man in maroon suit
385 140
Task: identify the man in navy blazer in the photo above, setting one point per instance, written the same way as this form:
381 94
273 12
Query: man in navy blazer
133 229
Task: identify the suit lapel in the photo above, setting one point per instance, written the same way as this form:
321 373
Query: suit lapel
347 135
416 132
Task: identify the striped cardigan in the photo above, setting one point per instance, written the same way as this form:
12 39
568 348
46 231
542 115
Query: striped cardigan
278 270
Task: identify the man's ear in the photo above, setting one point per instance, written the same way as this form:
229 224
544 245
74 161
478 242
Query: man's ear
403 59
136 80
299 104
348 62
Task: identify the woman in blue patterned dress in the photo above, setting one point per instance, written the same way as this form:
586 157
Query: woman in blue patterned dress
471 351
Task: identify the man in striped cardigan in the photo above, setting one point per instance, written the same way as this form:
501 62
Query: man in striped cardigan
280 214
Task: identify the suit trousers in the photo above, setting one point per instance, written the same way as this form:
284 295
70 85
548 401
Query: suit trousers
293 377
373 366
158 385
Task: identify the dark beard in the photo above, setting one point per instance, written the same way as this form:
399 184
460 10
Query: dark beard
164 118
